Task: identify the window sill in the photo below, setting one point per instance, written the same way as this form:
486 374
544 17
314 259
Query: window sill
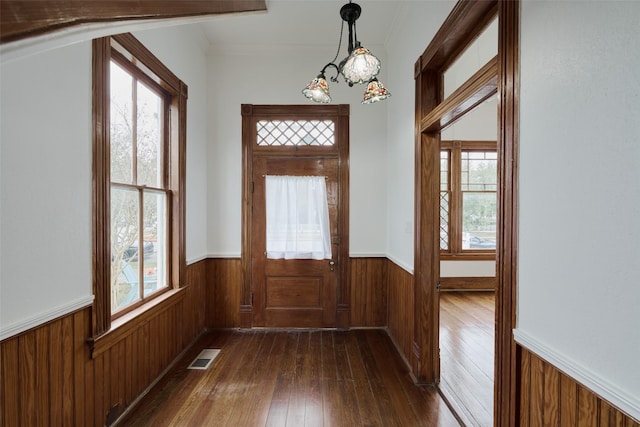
125 325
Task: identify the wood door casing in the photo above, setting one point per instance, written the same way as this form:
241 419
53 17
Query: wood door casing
253 117
293 292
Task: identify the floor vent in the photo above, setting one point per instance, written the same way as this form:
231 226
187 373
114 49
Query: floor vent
204 359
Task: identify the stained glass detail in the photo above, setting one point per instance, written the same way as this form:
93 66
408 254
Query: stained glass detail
445 196
295 132
444 220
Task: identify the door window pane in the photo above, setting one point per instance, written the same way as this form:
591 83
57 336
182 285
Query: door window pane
297 218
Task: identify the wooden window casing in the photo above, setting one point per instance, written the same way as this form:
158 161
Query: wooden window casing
454 249
131 55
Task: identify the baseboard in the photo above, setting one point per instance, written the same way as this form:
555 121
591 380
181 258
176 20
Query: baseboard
401 353
603 388
468 283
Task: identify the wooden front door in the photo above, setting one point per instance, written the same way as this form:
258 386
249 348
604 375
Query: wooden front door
295 140
293 292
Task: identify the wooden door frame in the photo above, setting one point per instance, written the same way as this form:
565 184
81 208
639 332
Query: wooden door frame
433 113
339 113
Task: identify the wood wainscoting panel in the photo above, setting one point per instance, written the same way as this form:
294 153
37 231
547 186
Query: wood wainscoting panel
47 375
401 309
549 397
224 293
369 292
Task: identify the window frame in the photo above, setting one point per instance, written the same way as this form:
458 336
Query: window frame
455 251
149 70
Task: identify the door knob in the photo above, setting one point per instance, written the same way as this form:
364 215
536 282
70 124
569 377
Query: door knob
332 264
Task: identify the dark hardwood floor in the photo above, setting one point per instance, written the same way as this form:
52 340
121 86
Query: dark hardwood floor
467 324
293 378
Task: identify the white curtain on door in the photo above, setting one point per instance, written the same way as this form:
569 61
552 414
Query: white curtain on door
297 218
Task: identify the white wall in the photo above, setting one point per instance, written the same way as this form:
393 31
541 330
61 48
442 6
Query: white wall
45 244
579 223
183 49
45 174
244 75
415 26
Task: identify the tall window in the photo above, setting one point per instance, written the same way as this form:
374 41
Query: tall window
139 190
468 198
139 113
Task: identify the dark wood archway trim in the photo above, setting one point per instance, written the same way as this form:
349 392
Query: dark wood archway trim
26 18
433 113
506 366
480 87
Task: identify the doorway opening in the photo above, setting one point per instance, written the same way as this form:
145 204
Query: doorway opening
468 235
434 112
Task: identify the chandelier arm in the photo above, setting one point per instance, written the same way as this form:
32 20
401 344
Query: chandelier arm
331 64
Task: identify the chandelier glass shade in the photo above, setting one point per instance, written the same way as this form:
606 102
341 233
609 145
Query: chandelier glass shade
375 92
318 90
359 67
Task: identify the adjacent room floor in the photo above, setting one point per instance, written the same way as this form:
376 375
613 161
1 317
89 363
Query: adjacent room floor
467 325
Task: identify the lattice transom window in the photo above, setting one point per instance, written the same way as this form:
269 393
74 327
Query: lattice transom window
295 132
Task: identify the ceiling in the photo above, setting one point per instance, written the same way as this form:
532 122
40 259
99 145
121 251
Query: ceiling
299 23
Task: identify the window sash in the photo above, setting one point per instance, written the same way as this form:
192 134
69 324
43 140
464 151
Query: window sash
464 178
129 53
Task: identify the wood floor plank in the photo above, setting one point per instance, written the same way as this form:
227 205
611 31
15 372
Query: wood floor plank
314 404
426 403
467 324
383 390
257 397
369 411
279 406
293 378
225 397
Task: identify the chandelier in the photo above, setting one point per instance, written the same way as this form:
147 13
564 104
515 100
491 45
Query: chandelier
359 67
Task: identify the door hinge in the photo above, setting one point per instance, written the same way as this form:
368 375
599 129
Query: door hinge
251 298
438 286
252 186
